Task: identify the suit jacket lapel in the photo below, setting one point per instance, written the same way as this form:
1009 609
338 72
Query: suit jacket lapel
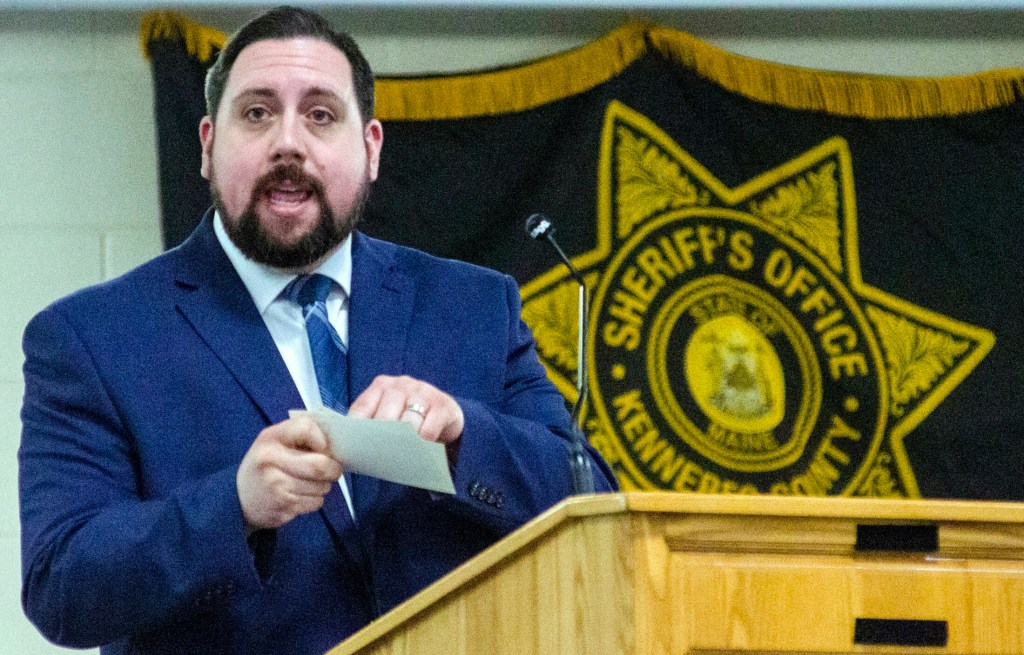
380 315
213 299
216 303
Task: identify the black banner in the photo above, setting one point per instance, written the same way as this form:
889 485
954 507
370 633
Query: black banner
801 282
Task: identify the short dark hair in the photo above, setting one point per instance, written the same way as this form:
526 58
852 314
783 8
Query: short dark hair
289 23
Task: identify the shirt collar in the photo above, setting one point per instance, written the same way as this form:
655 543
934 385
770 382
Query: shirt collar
265 283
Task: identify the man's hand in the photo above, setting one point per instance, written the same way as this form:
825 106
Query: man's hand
435 415
287 472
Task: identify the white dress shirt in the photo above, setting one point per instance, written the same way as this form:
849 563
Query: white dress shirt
284 317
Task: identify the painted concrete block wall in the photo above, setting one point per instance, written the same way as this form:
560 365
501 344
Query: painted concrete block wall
79 205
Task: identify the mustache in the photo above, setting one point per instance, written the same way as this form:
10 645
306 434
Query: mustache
291 173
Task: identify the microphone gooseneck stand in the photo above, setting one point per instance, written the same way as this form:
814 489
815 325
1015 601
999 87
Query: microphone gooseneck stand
539 227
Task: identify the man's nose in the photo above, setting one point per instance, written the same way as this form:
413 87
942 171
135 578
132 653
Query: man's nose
288 144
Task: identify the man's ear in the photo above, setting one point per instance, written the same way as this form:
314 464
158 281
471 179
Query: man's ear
206 140
373 137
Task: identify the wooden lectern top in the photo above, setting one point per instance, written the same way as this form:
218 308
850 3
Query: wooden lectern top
687 573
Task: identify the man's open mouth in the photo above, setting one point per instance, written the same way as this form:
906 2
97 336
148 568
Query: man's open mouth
288 194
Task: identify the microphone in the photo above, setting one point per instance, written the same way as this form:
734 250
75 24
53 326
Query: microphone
538 227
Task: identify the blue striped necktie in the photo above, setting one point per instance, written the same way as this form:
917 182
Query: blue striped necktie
330 356
330 362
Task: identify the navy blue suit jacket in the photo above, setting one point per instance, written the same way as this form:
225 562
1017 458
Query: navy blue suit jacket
144 393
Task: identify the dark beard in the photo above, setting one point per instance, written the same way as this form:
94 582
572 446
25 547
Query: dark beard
259 245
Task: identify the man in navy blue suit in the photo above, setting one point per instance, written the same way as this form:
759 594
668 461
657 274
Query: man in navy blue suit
168 502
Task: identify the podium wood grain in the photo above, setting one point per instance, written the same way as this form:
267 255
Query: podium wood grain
659 573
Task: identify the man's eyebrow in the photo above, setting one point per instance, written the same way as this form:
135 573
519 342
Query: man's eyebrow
314 94
321 93
253 94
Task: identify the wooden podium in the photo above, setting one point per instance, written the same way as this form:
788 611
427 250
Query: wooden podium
660 573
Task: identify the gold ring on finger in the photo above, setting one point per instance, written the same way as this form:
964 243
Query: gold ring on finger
417 408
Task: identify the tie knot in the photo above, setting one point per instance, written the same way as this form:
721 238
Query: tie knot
309 289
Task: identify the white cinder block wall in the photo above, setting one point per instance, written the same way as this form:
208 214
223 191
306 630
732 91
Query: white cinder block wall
79 204
78 181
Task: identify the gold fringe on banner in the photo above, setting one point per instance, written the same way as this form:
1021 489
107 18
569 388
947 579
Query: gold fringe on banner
200 40
844 94
560 76
512 89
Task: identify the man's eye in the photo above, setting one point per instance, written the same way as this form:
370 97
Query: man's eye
321 116
255 114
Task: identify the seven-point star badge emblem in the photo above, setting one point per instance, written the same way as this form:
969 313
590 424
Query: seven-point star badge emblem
734 346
